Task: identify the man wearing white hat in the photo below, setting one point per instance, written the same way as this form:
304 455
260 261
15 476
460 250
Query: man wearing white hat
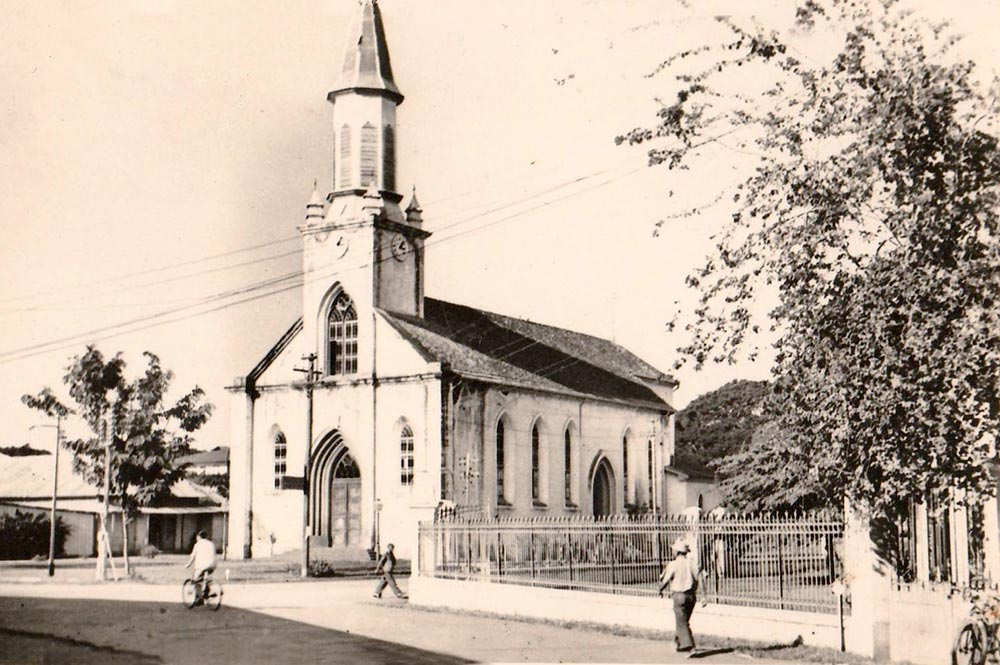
681 576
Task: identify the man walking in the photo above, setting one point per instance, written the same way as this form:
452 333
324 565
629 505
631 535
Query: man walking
384 568
682 578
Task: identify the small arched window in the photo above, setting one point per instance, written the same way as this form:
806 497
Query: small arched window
406 456
536 481
342 337
389 158
344 178
568 467
369 154
625 467
501 493
280 458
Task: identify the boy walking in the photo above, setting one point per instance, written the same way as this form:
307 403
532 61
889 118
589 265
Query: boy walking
384 568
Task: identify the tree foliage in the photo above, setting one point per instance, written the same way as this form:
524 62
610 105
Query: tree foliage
871 211
719 423
24 450
26 535
148 434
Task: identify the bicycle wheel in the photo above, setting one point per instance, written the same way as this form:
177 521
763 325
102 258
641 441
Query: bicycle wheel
213 595
189 593
970 645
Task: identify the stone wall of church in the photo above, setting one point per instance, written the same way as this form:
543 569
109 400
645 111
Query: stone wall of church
597 430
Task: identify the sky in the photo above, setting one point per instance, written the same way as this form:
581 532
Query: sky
156 158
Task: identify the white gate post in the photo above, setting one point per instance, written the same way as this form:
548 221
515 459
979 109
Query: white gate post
869 580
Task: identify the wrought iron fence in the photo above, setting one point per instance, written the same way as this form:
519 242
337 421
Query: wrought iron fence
776 562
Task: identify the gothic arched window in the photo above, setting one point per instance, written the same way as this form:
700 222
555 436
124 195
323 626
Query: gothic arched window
625 467
280 458
568 467
406 456
536 480
501 494
389 158
369 154
342 337
650 466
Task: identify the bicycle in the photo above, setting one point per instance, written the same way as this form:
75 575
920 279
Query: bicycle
208 593
977 637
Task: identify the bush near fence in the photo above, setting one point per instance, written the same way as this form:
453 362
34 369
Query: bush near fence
24 536
784 563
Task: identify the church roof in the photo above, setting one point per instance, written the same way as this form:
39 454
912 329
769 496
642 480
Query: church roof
366 66
501 349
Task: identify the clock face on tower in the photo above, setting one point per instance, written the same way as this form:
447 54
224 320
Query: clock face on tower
401 247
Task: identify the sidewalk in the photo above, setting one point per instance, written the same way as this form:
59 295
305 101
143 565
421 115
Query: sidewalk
346 606
169 569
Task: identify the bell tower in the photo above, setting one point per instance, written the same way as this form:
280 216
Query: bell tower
365 98
359 246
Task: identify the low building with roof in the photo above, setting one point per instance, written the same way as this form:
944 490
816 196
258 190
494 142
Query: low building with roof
689 485
26 487
417 402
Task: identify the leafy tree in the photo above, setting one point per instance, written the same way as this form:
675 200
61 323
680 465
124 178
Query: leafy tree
719 422
149 435
871 211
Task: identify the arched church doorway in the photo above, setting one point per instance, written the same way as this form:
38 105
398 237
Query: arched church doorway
335 494
603 489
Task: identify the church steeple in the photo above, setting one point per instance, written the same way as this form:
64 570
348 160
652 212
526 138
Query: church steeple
366 67
364 100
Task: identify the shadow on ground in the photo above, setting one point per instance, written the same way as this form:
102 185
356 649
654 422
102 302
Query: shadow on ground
85 632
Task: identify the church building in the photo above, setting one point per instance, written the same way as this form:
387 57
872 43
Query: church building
417 403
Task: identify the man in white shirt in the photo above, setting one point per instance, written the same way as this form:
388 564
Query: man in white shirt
203 559
681 576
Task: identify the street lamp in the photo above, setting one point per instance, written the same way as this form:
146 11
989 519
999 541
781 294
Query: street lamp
55 493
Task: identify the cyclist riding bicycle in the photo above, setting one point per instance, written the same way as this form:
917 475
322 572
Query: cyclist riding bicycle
203 559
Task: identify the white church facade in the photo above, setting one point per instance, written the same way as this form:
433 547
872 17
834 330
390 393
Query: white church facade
418 402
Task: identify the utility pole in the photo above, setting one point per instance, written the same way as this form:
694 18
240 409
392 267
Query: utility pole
55 493
307 466
104 540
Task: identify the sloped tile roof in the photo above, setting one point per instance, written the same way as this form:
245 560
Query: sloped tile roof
509 351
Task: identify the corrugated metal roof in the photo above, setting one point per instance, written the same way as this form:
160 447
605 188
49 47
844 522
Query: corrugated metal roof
218 455
29 478
94 506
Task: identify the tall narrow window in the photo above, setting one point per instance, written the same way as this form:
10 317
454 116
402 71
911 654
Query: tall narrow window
342 337
649 465
625 466
406 456
345 157
369 154
536 493
280 458
501 494
568 467
389 158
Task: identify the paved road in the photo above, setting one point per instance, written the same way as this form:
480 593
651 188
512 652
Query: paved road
321 621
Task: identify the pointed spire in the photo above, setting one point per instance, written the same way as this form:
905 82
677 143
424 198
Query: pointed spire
366 65
413 210
314 209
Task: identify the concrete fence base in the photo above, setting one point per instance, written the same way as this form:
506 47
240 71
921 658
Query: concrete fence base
724 621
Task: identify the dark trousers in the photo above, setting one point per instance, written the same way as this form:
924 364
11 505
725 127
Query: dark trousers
390 581
683 607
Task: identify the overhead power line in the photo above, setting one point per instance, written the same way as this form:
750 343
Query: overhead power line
162 317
